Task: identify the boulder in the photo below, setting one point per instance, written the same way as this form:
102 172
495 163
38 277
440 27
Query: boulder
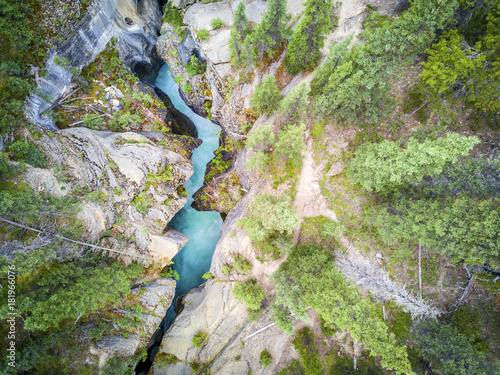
336 169
188 48
157 296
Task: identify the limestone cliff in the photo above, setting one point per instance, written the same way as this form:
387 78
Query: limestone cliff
134 24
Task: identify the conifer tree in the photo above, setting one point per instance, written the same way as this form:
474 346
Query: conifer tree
267 96
273 31
308 37
239 31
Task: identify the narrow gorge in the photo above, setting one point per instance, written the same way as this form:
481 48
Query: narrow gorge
251 187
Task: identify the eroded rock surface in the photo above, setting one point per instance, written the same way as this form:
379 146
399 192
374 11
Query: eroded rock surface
130 184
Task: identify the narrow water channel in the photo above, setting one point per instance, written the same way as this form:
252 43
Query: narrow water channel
202 228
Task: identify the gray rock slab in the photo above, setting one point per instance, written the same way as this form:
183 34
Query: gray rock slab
217 47
199 16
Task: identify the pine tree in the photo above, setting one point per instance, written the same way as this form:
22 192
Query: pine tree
239 32
267 96
273 31
449 351
387 166
309 279
308 37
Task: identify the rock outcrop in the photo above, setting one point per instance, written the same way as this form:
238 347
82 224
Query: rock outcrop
130 184
136 26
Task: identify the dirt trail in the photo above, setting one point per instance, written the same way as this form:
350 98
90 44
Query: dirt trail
309 202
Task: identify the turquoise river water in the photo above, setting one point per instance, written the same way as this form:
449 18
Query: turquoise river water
203 228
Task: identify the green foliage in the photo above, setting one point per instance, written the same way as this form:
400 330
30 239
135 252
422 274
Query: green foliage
309 279
304 50
475 177
199 339
203 35
464 229
239 31
64 291
194 66
455 68
172 15
27 152
123 120
273 30
162 359
294 106
270 223
250 293
241 264
386 166
449 351
401 325
281 319
207 276
308 352
364 69
6 169
265 358
92 121
217 23
267 97
22 37
293 368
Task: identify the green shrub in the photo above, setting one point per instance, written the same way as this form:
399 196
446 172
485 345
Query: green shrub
27 152
250 293
199 339
265 358
308 352
267 97
241 264
270 223
217 23
172 15
194 66
121 121
92 121
203 34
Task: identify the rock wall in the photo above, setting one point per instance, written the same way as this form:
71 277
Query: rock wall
130 185
135 24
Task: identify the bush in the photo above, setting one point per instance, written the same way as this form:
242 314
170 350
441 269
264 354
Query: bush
217 23
29 153
92 121
270 224
199 339
267 97
265 358
308 352
172 15
241 264
121 121
250 293
194 66
203 34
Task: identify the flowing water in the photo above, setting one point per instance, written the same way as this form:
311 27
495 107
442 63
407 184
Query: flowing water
202 228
